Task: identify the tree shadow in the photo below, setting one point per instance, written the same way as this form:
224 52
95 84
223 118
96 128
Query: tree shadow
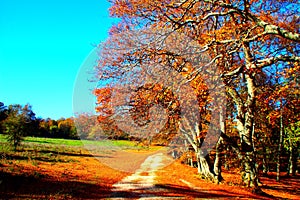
288 184
175 191
80 154
35 187
38 186
48 156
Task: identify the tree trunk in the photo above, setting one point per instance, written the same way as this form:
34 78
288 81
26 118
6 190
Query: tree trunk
292 164
290 169
279 150
218 163
245 124
249 173
205 168
265 164
226 164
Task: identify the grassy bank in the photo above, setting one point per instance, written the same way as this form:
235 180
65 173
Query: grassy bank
35 141
47 168
56 150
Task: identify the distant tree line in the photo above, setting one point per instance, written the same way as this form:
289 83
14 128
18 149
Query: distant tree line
18 121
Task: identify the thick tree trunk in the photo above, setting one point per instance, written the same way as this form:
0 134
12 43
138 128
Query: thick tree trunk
245 121
205 168
218 163
246 124
249 173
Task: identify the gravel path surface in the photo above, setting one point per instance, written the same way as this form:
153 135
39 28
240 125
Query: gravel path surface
141 184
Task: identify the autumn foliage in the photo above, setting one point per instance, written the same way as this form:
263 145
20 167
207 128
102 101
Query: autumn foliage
253 46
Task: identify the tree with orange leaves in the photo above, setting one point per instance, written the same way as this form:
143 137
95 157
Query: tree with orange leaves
105 125
243 39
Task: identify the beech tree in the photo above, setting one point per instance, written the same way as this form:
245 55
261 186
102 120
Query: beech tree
139 78
243 39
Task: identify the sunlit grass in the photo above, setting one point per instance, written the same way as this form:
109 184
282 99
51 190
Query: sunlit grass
41 145
57 167
69 142
53 141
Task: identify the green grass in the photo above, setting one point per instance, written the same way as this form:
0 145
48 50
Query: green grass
101 144
36 149
68 142
73 145
53 141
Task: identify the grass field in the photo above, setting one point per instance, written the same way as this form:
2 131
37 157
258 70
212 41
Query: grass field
80 143
56 168
44 168
49 149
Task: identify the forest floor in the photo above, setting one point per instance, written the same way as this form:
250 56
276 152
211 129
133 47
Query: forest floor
75 174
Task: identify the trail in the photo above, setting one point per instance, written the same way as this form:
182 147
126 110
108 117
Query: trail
141 184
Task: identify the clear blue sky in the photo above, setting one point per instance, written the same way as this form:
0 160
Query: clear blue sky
43 44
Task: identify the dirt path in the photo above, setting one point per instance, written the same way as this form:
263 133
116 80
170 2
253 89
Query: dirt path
141 184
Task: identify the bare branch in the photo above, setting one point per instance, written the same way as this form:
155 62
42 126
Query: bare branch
218 14
268 28
234 72
275 30
269 61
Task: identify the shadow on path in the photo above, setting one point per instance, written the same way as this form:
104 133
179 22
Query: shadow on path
173 192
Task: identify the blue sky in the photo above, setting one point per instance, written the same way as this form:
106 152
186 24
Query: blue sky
43 44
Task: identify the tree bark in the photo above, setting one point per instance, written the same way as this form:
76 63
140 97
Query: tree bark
245 122
292 163
192 135
218 163
246 125
291 167
265 164
205 168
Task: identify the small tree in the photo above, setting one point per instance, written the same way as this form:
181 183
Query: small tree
292 144
17 123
